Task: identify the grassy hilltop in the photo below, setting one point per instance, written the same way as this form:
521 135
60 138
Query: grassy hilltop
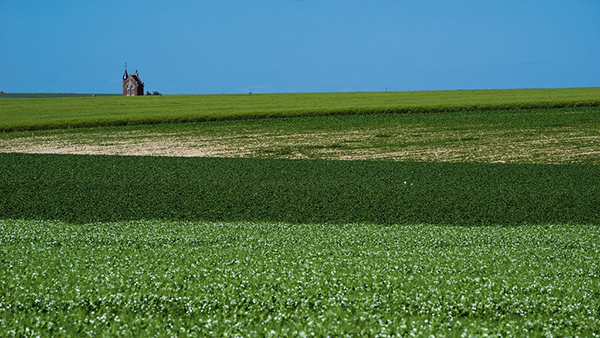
69 112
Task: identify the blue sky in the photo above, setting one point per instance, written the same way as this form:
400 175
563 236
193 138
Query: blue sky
236 46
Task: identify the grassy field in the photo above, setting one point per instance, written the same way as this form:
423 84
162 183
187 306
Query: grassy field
52 113
469 222
155 278
83 189
535 136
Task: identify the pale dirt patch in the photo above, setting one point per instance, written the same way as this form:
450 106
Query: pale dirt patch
552 145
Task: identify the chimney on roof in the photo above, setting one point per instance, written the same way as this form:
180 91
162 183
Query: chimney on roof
136 73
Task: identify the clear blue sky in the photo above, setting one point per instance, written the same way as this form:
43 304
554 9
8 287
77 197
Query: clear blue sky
235 46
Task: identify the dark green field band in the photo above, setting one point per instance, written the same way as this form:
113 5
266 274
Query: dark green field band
80 188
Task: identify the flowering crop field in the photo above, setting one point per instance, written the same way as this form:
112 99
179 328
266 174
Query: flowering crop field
301 249
277 279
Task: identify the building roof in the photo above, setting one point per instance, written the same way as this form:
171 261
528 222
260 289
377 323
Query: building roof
134 77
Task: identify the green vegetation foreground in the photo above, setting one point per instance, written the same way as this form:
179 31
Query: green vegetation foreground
56 113
275 247
255 279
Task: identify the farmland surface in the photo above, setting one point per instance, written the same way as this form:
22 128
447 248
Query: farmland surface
68 112
82 189
472 213
275 279
539 136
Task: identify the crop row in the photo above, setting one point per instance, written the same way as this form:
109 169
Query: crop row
111 188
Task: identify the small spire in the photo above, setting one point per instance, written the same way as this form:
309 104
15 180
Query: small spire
125 75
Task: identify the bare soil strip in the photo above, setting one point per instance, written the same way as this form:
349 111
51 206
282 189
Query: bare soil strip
551 145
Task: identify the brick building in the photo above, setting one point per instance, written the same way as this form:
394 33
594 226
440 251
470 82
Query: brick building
132 85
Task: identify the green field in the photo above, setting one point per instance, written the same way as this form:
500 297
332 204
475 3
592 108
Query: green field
535 136
153 278
472 213
52 113
109 188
